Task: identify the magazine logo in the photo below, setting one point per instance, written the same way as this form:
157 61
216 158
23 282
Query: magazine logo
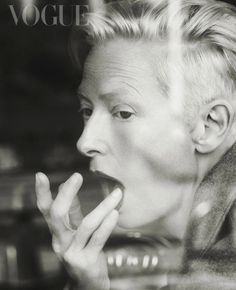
50 15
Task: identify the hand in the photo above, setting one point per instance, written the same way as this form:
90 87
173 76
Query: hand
81 247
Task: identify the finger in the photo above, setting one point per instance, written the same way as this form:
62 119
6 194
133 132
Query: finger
75 213
43 193
60 207
60 186
102 234
66 195
93 220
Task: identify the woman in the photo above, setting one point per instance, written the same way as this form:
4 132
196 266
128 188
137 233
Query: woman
158 134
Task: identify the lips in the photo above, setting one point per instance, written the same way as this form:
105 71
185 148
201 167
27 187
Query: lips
110 183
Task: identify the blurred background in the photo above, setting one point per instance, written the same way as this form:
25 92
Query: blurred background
39 127
39 118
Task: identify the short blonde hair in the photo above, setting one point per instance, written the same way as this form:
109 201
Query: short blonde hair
208 33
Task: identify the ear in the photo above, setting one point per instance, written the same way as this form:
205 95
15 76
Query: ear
211 129
97 6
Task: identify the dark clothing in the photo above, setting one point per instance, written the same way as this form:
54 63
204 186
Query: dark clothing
209 262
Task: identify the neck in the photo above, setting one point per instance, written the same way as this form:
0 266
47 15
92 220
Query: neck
177 222
174 225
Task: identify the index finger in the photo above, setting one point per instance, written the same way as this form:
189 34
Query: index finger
43 193
66 206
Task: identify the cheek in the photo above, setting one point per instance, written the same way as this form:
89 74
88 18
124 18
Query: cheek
164 150
149 148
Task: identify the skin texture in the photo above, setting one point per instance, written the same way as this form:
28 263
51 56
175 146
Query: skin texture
132 133
130 124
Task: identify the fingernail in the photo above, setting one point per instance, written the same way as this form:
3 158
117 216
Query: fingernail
40 177
37 178
117 193
75 177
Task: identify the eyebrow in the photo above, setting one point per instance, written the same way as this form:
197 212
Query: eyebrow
119 94
133 88
82 96
105 96
108 96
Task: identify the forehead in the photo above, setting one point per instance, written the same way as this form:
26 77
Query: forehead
117 61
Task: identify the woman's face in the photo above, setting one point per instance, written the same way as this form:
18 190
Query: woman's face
132 133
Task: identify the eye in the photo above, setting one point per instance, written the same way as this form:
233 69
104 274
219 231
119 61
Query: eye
86 112
123 115
123 112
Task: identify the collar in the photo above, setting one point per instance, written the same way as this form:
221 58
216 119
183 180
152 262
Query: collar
212 202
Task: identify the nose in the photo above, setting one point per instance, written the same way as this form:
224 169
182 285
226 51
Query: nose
93 141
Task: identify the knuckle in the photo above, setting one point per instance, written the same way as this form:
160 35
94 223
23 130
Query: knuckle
43 208
106 227
72 258
98 239
82 261
68 257
87 225
56 247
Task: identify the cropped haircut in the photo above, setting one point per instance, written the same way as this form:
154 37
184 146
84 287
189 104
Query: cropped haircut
208 34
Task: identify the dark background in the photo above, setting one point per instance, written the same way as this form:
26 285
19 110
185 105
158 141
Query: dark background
39 120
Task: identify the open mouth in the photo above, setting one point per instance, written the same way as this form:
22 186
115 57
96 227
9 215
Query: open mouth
110 183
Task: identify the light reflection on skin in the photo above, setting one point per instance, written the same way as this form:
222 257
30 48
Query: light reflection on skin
133 134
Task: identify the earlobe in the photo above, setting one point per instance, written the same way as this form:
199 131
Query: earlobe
212 127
